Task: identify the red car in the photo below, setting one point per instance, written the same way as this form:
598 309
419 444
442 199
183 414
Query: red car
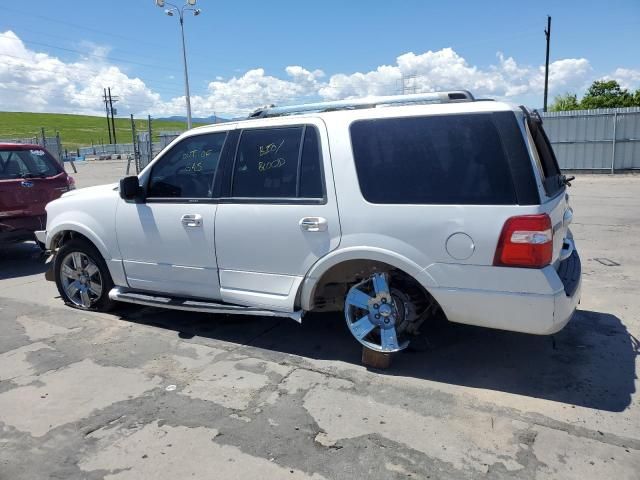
29 179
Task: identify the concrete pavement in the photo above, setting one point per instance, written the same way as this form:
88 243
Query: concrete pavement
145 393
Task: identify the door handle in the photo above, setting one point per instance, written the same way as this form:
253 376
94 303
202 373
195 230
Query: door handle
191 220
313 224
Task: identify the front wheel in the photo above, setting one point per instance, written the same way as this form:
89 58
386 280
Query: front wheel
374 313
82 276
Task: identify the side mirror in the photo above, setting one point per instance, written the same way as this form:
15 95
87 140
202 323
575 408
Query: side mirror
130 188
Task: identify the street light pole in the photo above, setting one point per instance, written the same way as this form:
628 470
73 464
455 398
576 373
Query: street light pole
180 11
186 74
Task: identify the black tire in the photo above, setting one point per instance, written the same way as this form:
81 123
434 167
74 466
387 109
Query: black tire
103 303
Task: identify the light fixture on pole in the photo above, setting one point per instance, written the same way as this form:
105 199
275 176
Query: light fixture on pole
174 9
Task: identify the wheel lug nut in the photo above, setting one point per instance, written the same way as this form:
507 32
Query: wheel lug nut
386 320
384 300
377 315
376 306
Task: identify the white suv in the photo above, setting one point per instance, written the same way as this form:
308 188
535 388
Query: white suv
390 209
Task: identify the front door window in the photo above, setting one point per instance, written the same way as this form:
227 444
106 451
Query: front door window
187 170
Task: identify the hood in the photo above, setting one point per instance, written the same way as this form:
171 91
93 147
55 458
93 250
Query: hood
90 190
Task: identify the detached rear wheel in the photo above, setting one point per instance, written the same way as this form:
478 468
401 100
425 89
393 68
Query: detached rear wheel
374 311
82 276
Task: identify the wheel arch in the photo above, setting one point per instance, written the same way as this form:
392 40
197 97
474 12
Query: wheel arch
350 258
65 231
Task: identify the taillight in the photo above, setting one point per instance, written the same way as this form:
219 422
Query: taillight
525 241
71 183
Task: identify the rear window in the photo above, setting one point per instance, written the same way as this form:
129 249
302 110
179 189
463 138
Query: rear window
446 159
32 163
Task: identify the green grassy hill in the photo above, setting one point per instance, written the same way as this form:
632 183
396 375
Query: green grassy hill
76 130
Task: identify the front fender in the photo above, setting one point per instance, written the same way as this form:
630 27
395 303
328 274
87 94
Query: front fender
90 212
83 230
308 287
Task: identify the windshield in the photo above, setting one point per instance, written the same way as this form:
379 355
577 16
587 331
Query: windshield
27 164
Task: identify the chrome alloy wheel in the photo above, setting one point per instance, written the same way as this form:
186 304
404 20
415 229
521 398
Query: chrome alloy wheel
81 279
373 314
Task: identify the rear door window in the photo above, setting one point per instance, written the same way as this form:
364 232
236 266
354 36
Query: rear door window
282 162
32 163
445 159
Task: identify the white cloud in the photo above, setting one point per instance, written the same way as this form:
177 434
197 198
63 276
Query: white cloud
627 78
240 95
33 81
445 69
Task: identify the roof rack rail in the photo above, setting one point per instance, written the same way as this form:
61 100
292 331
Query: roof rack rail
371 102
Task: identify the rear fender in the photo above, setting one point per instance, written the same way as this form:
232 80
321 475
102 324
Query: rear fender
308 287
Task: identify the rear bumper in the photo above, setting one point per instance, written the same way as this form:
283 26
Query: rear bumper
519 311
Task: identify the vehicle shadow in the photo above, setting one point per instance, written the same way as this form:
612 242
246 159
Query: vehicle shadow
21 260
590 363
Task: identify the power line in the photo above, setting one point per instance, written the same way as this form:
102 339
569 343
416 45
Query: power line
89 75
109 34
102 57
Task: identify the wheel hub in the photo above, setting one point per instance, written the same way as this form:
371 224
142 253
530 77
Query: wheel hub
81 279
385 310
372 319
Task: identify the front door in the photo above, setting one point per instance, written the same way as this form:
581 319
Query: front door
167 241
277 217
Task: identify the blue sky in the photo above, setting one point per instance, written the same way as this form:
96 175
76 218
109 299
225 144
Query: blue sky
338 38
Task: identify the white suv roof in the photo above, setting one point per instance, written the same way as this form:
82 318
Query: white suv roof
379 107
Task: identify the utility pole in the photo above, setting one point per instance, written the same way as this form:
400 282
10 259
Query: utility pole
106 109
113 122
547 33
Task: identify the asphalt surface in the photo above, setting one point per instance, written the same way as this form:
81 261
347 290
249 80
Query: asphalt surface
149 394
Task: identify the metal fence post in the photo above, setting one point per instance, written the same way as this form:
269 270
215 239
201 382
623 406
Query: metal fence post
133 139
59 144
613 144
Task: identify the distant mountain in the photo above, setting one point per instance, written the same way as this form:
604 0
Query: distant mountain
206 120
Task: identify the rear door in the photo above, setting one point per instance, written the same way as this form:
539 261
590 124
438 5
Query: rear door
277 215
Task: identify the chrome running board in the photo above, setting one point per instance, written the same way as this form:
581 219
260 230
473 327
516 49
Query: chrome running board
120 294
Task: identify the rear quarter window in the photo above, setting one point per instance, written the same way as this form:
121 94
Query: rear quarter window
545 158
445 159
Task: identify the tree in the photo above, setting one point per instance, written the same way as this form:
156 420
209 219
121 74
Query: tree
568 101
606 94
